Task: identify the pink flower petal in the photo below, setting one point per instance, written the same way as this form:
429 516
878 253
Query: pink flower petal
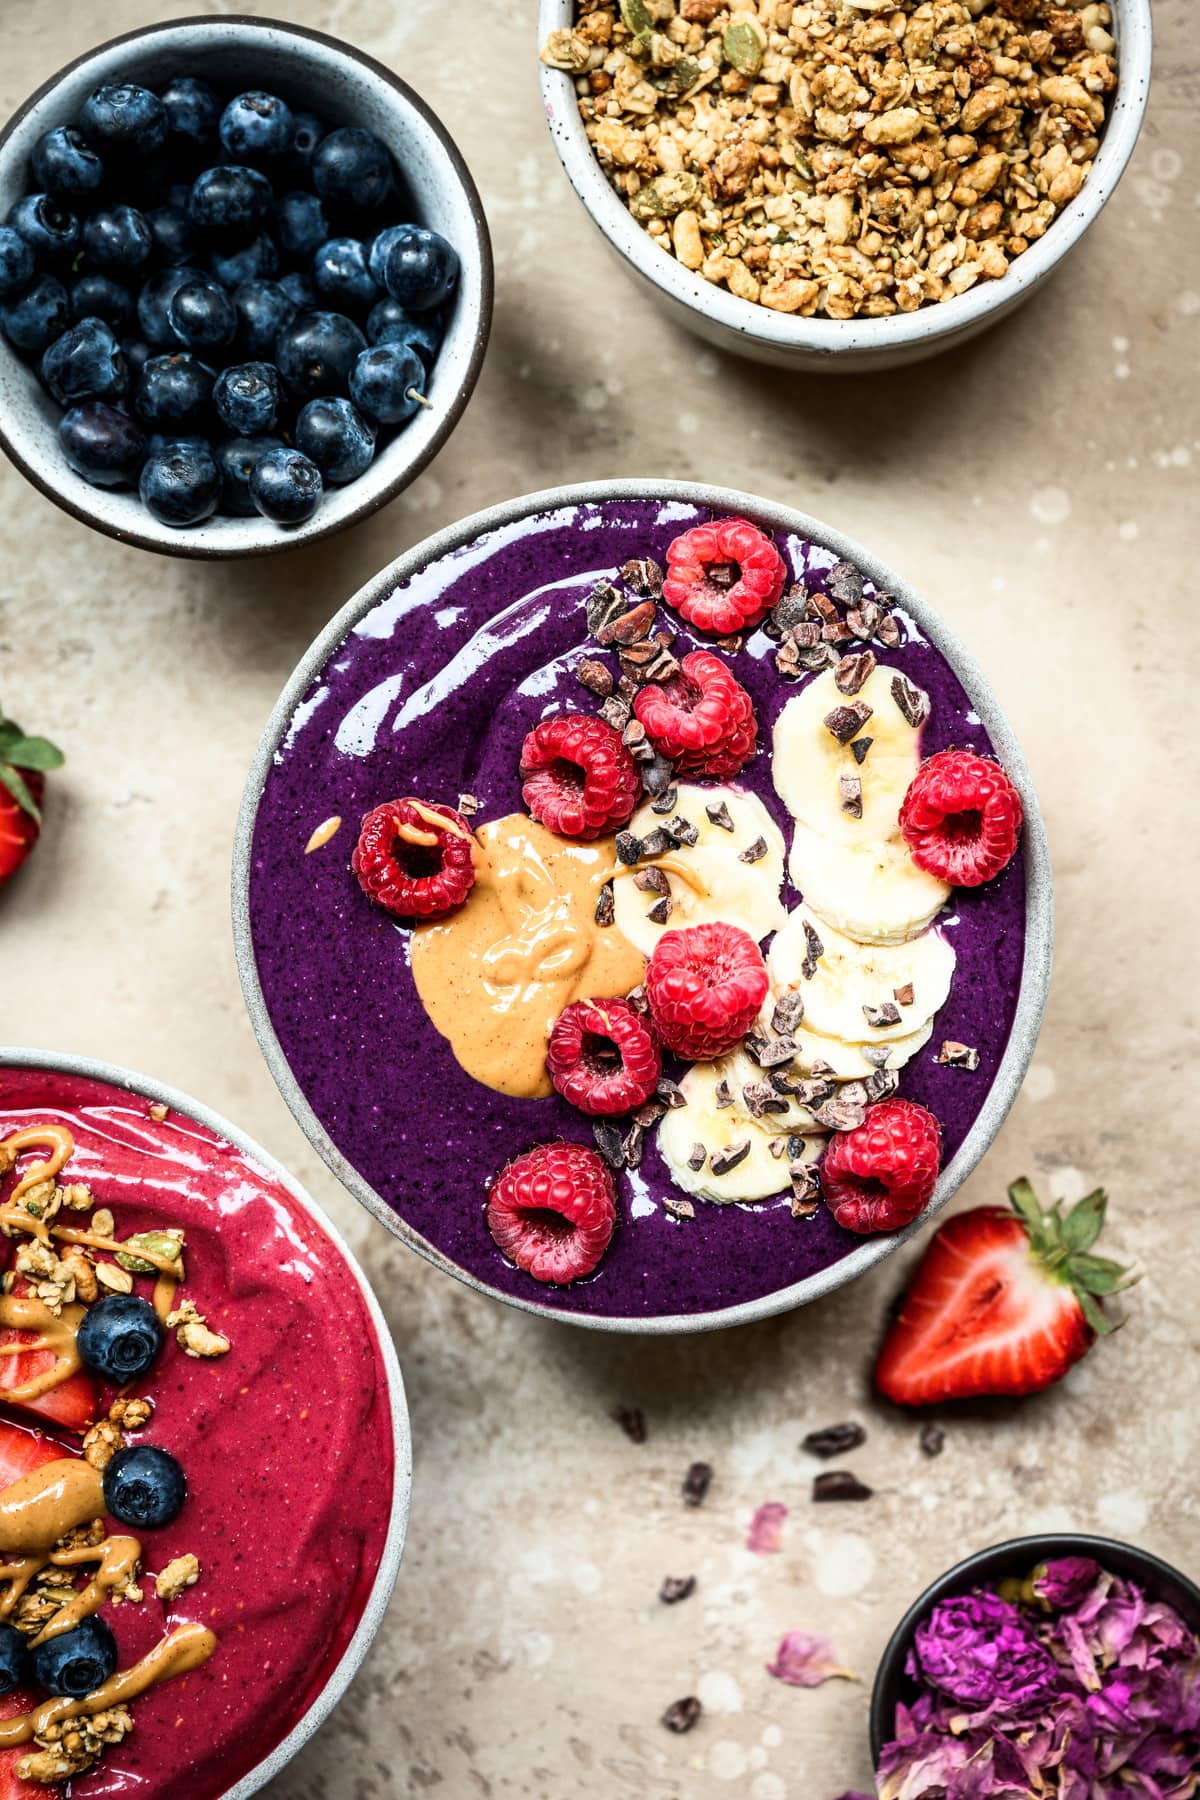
766 1528
805 1659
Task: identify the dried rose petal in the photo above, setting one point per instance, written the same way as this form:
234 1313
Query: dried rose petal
766 1528
806 1659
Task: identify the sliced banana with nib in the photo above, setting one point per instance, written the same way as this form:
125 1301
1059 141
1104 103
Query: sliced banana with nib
721 1153
872 891
733 872
860 993
754 1092
850 1062
843 778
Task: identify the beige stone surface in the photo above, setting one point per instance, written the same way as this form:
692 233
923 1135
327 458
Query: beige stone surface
1040 486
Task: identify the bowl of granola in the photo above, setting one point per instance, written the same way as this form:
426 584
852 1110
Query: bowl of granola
599 918
204 1447
843 184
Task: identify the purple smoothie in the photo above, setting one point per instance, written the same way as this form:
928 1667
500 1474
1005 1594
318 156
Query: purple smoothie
432 693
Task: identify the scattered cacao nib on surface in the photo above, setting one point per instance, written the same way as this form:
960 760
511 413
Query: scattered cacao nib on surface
932 1439
696 1483
596 677
649 1114
629 848
840 1484
789 1011
627 689
877 1054
859 748
633 1146
628 627
853 671
888 632
806 1189
615 712
720 815
608 1142
755 1044
722 1095
888 1013
697 1157
850 788
676 1588
660 912
644 576
845 722
958 1056
667 801
776 1053
729 1157
903 996
636 997
777 1146
761 1099
882 1084
657 842
753 852
840 1114
790 610
658 776
845 583
813 953
652 880
835 1440
634 739
912 700
820 1069
606 910
469 803
730 645
834 631
632 1421
823 607
669 1092
681 1715
604 604
864 620
683 830
679 1209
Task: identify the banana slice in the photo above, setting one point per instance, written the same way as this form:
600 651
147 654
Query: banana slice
852 984
719 1131
708 881
809 761
870 891
849 1062
779 1112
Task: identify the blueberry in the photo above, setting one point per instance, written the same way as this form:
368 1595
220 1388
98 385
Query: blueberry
65 164
335 436
340 273
38 316
14 1666
307 132
120 1335
351 168
78 1661
236 459
385 380
180 485
107 448
201 313
389 323
247 397
174 392
255 261
301 225
286 487
85 363
144 1487
16 262
381 243
100 297
171 231
316 352
299 290
229 198
49 228
119 241
125 118
420 269
137 355
256 127
192 111
152 305
263 309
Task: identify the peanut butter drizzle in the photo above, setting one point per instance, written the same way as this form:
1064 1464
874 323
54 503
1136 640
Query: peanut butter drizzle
24 1312
163 1297
71 1234
186 1648
495 975
46 1504
117 1559
13 1216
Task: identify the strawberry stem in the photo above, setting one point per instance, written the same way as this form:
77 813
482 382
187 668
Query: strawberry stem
1061 1244
20 755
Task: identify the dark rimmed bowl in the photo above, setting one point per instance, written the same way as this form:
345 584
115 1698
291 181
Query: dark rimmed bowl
1018 1556
339 82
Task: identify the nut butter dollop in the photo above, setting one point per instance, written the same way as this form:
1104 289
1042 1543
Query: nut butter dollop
495 975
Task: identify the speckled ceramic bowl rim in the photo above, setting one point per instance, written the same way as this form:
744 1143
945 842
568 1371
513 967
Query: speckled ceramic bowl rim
88 1068
784 331
480 250
1039 926
1024 1553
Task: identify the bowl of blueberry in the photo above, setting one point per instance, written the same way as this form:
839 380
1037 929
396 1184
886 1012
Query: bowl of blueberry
245 287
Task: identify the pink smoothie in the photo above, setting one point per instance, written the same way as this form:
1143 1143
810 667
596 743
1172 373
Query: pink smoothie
286 1442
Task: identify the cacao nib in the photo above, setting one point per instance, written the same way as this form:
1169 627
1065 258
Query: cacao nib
696 1483
720 816
729 1157
912 700
932 1439
789 1011
753 852
958 1056
834 1440
676 1588
845 722
632 1421
644 576
608 1142
652 880
880 1016
629 848
681 1715
840 1484
596 677
859 748
845 583
853 671
604 604
660 912
606 910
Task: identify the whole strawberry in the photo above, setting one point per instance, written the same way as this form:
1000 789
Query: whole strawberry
24 764
1003 1302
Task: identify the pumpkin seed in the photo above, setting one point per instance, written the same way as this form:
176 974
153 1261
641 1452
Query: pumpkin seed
663 197
744 43
166 1244
636 17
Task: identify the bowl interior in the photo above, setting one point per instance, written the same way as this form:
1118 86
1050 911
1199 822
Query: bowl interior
315 74
358 712
1018 1557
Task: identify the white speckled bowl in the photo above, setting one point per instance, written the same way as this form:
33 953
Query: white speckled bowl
838 345
341 84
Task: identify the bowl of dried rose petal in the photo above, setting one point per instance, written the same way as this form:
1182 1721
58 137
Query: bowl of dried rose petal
1061 1653
843 184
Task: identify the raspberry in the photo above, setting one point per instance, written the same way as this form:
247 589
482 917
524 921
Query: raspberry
723 576
407 862
961 818
879 1176
705 985
552 1211
577 776
602 1057
702 718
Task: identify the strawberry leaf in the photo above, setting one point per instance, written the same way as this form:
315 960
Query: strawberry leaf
1084 1223
12 780
1097 1275
34 753
1025 1202
1100 1323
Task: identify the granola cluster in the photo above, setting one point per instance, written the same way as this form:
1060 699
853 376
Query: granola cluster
848 158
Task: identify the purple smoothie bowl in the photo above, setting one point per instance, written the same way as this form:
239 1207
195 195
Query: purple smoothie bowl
427 682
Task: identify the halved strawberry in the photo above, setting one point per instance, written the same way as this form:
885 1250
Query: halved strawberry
23 765
1003 1302
71 1405
20 1700
21 1451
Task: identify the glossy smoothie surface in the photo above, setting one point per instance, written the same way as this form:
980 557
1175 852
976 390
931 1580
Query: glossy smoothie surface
286 1442
432 694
